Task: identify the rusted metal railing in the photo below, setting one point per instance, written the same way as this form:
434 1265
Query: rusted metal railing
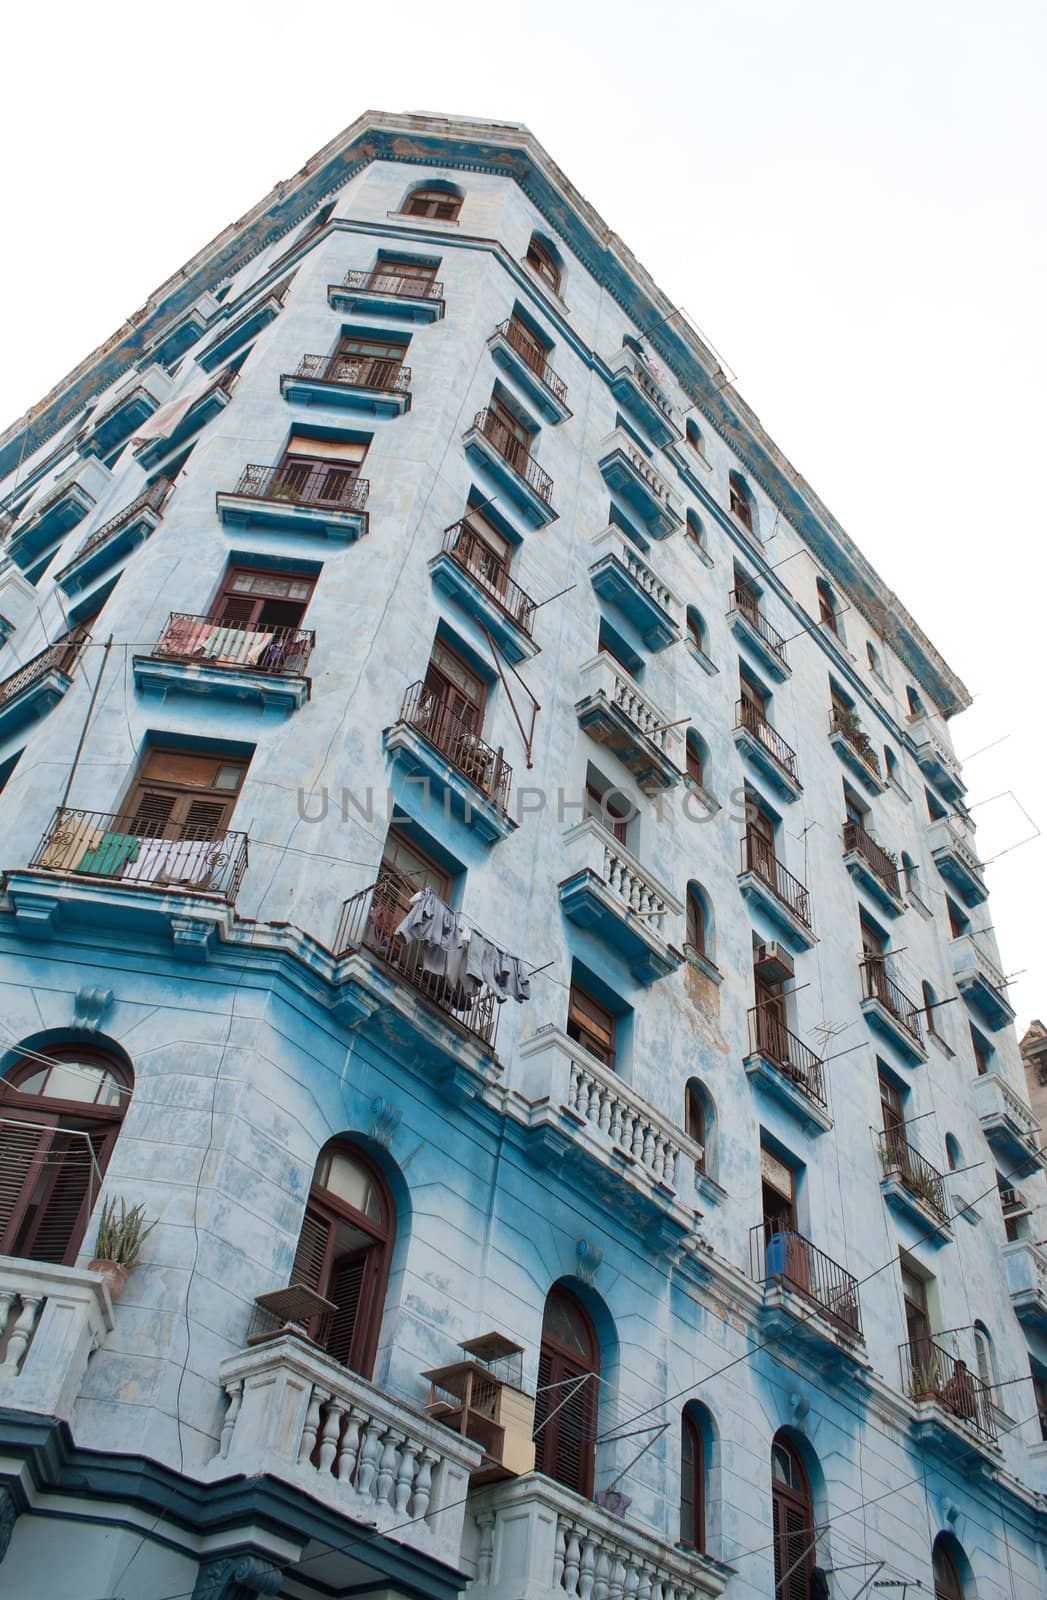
916 1173
929 1372
402 285
856 838
769 1035
877 985
514 451
476 557
370 919
357 372
130 850
843 721
750 717
151 499
778 1254
453 736
282 652
745 602
531 352
332 488
758 856
61 656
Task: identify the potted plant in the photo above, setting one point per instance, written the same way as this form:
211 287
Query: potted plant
122 1230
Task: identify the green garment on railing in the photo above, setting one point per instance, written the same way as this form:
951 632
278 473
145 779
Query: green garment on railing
111 853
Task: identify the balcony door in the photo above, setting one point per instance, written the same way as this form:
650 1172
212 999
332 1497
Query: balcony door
528 344
786 1254
253 599
565 1405
457 692
320 471
793 1517
183 794
512 437
485 551
415 277
917 1315
372 363
948 1584
343 1253
760 829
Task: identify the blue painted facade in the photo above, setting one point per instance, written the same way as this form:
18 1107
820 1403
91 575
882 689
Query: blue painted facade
148 1447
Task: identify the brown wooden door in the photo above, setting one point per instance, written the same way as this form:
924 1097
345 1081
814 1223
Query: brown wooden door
458 692
692 1484
373 362
513 439
249 598
180 794
793 1518
565 1404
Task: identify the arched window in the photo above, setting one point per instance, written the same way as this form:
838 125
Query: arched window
694 438
60 1114
697 919
695 533
692 1480
914 701
828 610
947 1583
792 1508
741 501
343 1253
565 1404
699 1121
930 1001
985 1361
953 1153
542 260
696 757
433 200
696 629
890 764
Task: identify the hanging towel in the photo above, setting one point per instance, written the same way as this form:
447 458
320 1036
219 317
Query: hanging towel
110 854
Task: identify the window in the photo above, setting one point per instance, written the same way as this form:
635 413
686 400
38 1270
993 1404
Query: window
402 857
320 471
608 805
892 1104
696 628
1039 1389
695 532
526 341
565 1404
60 1114
741 502
695 758
760 827
890 765
692 1481
953 1153
591 1025
827 608
854 808
909 872
541 259
509 434
694 438
778 1192
930 1002
367 363
913 701
695 1121
984 1360
415 278
959 922
436 201
457 695
917 1315
935 810
873 657
612 644
343 1253
792 1511
983 1051
257 598
696 919
182 794
947 1584
772 1035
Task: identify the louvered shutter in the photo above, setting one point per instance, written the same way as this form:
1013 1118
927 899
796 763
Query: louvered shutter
346 1289
152 814
57 1225
792 1537
236 610
575 1434
542 1408
311 1254
687 1508
204 819
22 1151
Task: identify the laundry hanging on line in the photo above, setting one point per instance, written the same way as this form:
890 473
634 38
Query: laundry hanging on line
464 957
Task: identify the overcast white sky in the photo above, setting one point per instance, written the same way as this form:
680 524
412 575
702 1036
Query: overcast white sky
849 201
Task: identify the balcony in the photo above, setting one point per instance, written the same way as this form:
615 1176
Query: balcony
185 332
809 1300
570 1547
614 713
182 424
1025 1266
61 508
115 539
783 899
328 502
913 1188
854 749
389 294
957 863
633 476
609 893
51 1319
370 385
297 1415
508 461
468 572
582 1117
243 328
622 578
752 629
785 1069
518 354
1010 1126
253 665
954 1409
450 1034
873 868
635 387
981 982
939 764
765 749
32 690
888 1009
123 413
469 777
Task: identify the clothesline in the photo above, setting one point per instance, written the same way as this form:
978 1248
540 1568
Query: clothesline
467 959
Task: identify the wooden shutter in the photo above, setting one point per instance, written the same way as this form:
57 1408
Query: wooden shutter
346 1289
151 814
792 1536
64 1201
311 1254
23 1150
204 819
542 1407
565 1444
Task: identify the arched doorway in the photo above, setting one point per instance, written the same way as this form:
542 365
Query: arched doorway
343 1253
60 1114
565 1405
792 1507
947 1582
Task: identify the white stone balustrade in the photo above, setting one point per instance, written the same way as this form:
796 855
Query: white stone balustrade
296 1413
627 361
557 1072
590 845
619 439
928 744
567 1546
602 673
967 955
613 542
946 839
1025 1265
994 1098
51 1319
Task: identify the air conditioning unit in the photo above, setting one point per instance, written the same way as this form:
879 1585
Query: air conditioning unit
481 1398
773 963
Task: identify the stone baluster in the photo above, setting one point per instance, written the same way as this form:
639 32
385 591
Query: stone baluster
22 1331
587 1567
369 1450
423 1483
332 1429
350 1445
7 1299
405 1476
658 1163
617 1112
616 1577
485 1555
388 1464
644 1582
236 1395
648 1146
572 1560
311 1425
605 1101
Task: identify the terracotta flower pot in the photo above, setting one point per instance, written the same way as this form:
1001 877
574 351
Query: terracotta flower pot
113 1272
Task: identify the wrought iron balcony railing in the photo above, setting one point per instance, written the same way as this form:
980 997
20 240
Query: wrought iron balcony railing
876 985
357 372
399 284
781 1255
456 739
758 856
151 499
476 557
845 722
369 921
744 601
330 488
917 1174
515 452
930 1373
534 355
856 838
61 656
752 718
282 652
769 1035
100 844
